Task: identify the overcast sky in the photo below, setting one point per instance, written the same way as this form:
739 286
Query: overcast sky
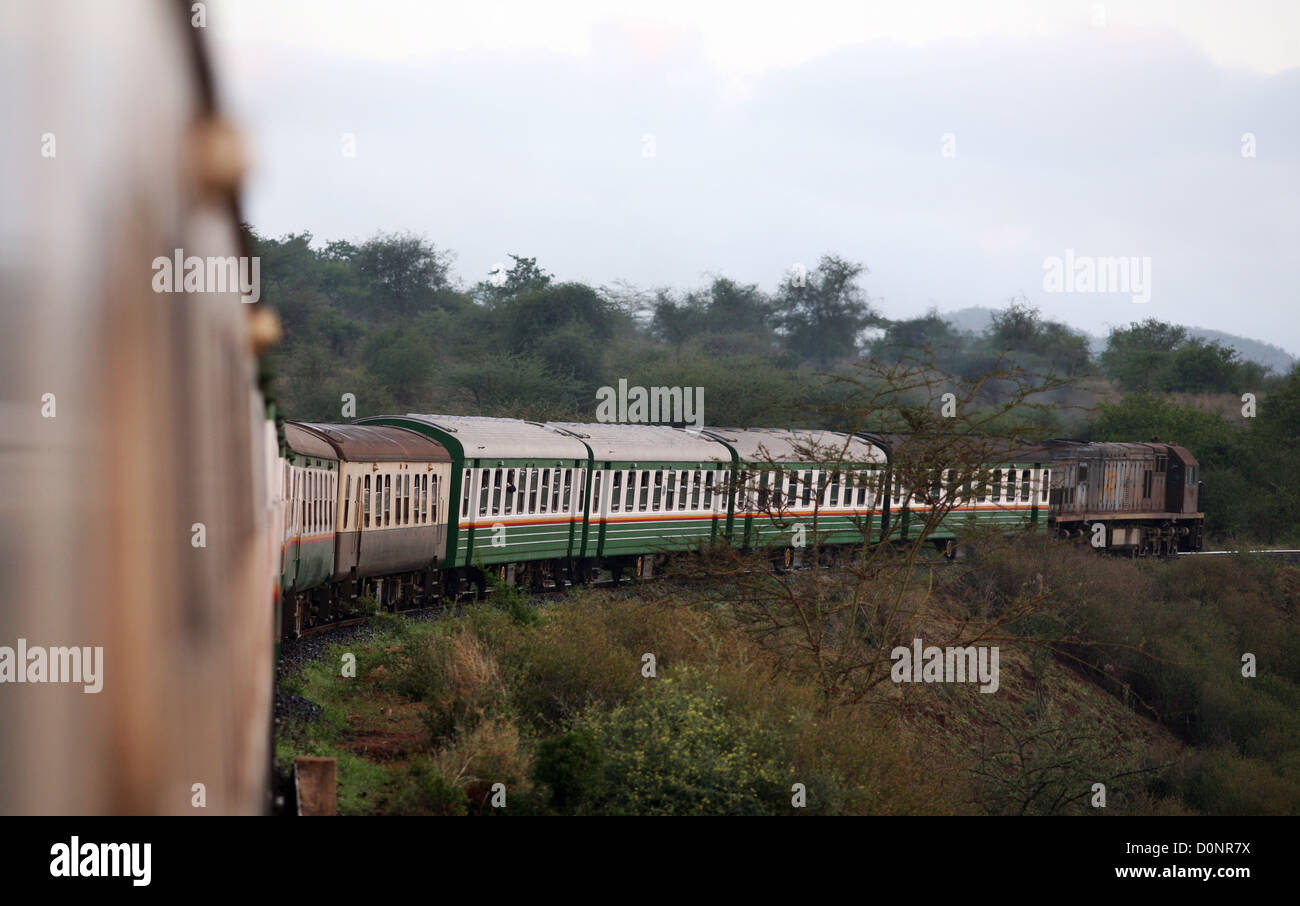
951 147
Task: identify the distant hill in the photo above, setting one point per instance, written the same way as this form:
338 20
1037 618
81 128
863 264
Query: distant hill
976 318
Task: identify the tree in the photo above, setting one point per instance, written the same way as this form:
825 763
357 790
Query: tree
1016 326
1200 367
405 273
524 276
905 336
1135 354
823 315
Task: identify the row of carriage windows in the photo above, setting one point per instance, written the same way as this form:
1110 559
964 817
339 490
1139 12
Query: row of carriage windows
529 491
385 500
1003 486
392 500
380 501
858 490
514 492
645 491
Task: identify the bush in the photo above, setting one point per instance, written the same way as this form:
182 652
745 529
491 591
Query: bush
426 790
675 750
455 675
572 767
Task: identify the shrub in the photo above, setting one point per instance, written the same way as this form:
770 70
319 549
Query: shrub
426 790
572 767
676 751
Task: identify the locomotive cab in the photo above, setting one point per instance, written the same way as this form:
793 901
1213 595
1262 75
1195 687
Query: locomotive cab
1181 483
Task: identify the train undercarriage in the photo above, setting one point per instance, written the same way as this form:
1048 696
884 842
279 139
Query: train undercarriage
1155 537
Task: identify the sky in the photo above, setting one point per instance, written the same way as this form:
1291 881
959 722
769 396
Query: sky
957 149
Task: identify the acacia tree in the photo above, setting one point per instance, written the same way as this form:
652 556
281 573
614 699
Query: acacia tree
824 313
838 627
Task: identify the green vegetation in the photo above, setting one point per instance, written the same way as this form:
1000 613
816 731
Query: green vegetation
562 709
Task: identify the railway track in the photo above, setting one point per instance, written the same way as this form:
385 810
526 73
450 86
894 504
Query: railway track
1291 556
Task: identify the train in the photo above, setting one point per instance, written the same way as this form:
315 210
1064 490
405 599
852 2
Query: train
399 510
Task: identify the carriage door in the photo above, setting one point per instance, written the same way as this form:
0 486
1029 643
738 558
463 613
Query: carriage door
356 542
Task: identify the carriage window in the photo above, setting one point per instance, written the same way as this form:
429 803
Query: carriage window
644 503
406 501
807 488
697 487
1025 494
1148 477
1045 485
542 479
497 484
835 490
582 489
708 489
1160 464
464 495
616 492
347 499
670 495
761 478
556 480
433 499
508 491
366 503
1083 472
658 498
484 490
533 483
388 500
568 488
778 480
629 500
596 500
